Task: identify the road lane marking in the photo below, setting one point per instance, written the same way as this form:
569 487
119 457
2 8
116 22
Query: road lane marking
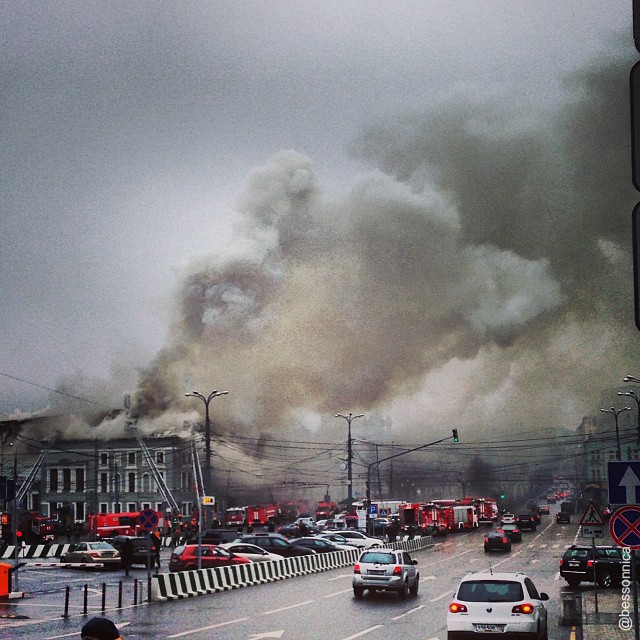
291 606
363 633
213 626
444 595
337 593
406 613
542 546
341 577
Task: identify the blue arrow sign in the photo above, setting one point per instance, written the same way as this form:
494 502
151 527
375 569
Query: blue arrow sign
624 482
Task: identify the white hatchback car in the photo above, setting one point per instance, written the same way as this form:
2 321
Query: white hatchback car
508 518
386 570
497 604
359 539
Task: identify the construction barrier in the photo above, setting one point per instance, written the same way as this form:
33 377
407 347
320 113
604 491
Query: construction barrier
188 584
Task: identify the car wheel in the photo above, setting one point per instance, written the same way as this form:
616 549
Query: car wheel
358 592
403 592
414 589
573 582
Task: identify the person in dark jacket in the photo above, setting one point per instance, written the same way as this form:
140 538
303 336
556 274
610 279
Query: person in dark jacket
126 554
155 539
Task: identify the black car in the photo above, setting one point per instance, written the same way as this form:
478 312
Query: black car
606 567
319 545
140 546
563 517
527 522
276 543
497 540
512 531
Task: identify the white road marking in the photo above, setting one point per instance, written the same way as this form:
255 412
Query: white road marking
337 593
213 626
363 633
291 606
444 595
406 613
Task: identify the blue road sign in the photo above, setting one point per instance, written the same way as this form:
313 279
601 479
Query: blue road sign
624 482
373 509
624 526
148 519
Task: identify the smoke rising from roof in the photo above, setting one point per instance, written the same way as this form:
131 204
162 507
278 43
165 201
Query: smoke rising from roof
486 252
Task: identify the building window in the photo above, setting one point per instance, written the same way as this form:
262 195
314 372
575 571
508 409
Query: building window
80 480
612 455
145 483
131 457
66 480
159 457
146 505
104 483
595 455
79 510
104 508
131 479
131 507
162 476
53 479
104 459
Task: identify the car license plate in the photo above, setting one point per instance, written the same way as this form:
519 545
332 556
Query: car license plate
490 628
376 572
574 564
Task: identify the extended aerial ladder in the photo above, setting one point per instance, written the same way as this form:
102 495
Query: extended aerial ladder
27 484
157 476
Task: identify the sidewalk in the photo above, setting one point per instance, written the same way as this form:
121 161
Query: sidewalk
614 619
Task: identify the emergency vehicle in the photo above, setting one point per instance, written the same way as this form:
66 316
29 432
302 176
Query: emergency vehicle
458 516
33 527
262 513
326 510
108 525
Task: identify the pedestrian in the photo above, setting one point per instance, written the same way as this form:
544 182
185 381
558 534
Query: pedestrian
156 546
127 555
100 629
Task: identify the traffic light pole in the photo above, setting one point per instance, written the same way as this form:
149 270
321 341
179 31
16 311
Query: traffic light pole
453 436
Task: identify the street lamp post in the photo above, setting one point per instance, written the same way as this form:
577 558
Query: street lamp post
615 413
349 418
634 395
453 436
207 435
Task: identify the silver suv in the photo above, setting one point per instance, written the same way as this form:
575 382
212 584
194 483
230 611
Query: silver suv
385 570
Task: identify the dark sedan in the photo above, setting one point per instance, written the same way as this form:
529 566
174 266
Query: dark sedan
512 531
275 543
497 541
320 545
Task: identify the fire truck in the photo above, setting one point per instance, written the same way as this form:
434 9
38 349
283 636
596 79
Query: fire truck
33 527
412 518
486 508
325 510
434 519
458 516
262 513
235 516
108 525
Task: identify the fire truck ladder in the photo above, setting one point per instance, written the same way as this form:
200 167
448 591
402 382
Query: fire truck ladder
157 476
26 485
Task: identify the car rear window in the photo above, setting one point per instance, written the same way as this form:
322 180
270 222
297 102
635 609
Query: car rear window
576 553
373 557
490 591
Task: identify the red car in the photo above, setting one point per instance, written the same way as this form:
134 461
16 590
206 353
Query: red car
185 557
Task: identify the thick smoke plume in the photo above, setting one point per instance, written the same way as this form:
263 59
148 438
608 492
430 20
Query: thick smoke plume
479 274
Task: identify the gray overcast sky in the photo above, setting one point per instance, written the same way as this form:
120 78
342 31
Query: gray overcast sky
140 146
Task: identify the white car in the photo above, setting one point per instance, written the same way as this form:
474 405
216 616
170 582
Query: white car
250 551
508 518
359 539
497 604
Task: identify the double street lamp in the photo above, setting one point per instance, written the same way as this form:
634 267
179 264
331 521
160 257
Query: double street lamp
632 394
207 434
615 413
349 418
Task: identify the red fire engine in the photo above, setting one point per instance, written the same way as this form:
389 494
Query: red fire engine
108 525
326 509
261 513
33 527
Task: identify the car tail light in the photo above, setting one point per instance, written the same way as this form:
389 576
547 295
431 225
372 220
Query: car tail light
397 570
589 563
561 561
95 554
486 539
356 568
505 540
523 608
456 607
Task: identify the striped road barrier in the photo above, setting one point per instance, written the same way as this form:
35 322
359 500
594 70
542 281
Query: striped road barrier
188 584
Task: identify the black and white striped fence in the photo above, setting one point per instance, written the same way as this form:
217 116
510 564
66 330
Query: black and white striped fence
188 584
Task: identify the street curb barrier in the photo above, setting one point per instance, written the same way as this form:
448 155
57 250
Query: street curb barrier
571 609
188 584
54 550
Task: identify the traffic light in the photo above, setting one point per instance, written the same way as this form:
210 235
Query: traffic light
502 496
455 434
